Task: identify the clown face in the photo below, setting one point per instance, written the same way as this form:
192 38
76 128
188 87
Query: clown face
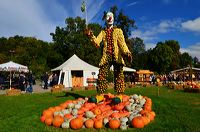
109 18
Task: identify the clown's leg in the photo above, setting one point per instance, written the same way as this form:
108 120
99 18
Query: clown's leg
119 79
102 83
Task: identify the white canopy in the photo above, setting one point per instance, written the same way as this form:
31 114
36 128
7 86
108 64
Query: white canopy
12 66
75 63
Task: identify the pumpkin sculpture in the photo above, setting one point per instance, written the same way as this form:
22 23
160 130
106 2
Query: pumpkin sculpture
114 111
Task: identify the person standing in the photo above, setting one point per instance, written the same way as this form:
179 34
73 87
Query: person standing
30 82
45 79
55 79
114 52
22 81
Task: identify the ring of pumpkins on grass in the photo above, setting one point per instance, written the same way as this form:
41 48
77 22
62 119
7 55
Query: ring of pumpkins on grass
105 110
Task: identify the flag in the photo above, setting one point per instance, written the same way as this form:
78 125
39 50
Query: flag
83 6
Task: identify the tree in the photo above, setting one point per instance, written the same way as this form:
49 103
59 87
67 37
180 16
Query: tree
161 58
185 60
137 47
174 45
71 40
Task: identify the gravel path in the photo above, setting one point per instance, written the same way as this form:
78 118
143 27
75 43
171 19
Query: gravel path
36 89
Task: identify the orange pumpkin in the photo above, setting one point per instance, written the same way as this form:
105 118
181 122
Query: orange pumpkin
98 123
68 116
97 111
125 98
115 115
52 109
137 122
58 108
151 115
47 113
119 106
42 118
89 123
80 111
76 123
147 107
48 121
57 121
114 124
146 120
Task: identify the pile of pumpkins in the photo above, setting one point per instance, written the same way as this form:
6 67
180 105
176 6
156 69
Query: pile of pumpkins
105 110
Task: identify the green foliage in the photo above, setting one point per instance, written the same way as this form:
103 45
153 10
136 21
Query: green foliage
71 40
27 51
186 60
161 57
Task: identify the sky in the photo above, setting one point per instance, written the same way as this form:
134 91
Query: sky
156 20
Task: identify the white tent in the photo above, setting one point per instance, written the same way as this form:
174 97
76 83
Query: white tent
75 64
12 66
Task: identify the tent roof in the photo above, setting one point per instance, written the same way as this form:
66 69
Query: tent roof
75 63
186 68
12 66
127 69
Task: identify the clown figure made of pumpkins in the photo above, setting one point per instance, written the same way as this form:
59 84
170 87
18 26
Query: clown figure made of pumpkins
114 51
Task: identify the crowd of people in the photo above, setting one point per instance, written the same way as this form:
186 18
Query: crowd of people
22 81
25 81
49 80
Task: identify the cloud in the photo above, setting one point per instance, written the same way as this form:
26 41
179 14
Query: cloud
149 46
166 1
192 25
151 31
26 18
36 18
133 3
193 50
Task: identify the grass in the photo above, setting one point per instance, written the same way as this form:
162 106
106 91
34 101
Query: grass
176 111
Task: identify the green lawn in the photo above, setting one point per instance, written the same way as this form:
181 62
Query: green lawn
175 110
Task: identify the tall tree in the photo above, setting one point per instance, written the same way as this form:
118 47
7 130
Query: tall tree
174 45
161 58
185 60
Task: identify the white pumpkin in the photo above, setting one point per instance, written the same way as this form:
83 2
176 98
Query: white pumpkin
89 114
74 112
65 124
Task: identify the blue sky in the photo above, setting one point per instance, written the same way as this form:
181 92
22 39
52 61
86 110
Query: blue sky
156 20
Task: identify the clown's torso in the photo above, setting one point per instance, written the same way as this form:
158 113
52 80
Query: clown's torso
113 43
